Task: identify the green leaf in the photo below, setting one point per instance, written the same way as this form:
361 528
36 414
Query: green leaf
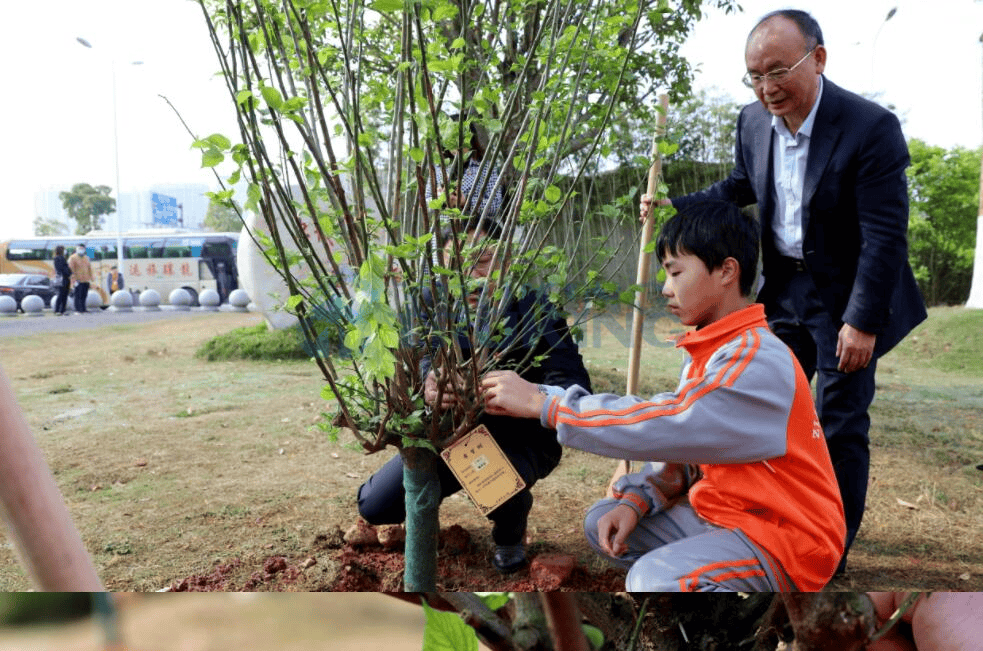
327 393
387 5
444 11
211 158
416 154
353 339
553 194
447 632
218 141
494 600
243 97
594 635
294 103
420 443
272 97
668 148
294 301
389 337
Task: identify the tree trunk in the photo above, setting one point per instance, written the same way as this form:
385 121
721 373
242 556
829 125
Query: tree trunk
422 525
40 526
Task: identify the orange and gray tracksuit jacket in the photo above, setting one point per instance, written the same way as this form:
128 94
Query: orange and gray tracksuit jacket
741 436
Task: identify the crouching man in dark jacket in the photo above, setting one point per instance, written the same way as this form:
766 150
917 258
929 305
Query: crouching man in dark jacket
533 329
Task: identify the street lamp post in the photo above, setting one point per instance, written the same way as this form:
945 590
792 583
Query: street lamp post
873 47
119 191
976 285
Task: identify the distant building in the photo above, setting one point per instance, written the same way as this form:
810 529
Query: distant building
134 210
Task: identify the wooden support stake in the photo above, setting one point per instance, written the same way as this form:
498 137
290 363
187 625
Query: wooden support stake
642 278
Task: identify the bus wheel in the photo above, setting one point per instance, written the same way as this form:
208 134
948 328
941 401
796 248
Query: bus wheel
193 294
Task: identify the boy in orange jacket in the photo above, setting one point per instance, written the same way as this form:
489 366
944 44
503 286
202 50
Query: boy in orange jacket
740 492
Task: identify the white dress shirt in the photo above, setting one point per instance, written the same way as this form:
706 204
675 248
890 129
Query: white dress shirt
789 157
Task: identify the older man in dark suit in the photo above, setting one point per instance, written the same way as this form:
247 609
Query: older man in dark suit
826 169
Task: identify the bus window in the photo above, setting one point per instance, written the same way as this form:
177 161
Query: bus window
26 250
143 248
102 249
216 250
177 250
136 251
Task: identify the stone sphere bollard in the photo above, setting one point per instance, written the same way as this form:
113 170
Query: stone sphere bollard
180 300
32 305
8 306
239 300
150 300
93 301
209 300
121 301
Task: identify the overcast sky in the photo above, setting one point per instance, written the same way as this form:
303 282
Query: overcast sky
57 104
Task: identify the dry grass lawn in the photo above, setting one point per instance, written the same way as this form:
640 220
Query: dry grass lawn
171 465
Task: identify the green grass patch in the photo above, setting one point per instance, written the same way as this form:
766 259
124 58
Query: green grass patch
257 343
950 340
605 379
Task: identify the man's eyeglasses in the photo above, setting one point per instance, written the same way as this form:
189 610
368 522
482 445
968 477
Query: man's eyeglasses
777 76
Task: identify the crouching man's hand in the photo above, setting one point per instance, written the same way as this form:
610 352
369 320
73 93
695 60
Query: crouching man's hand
448 397
507 394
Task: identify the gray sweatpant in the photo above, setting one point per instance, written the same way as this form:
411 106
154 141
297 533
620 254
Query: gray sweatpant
674 550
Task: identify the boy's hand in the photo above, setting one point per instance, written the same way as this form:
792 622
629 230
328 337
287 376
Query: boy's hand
507 394
614 527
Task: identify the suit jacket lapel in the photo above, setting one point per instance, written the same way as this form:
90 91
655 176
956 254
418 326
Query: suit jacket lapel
762 161
825 134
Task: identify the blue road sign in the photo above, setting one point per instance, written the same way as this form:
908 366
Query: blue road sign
164 209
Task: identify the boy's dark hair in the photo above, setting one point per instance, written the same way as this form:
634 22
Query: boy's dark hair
713 231
489 227
807 25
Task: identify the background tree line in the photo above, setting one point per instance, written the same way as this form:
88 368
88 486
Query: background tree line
943 187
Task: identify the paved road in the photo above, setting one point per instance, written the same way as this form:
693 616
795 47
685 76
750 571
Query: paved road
21 325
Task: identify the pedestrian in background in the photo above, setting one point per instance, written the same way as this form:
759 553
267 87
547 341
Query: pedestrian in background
81 268
63 280
114 281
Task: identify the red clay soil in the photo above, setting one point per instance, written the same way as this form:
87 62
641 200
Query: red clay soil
462 566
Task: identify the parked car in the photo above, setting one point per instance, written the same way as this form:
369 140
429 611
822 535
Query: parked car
20 285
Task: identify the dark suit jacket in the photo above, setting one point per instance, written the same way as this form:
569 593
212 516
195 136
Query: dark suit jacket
855 211
529 325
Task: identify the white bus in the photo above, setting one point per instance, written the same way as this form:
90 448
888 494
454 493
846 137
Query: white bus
163 260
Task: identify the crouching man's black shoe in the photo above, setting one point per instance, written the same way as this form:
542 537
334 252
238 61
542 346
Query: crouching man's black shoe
509 558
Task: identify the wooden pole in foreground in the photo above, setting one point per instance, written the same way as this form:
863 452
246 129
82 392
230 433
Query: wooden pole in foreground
44 536
642 277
